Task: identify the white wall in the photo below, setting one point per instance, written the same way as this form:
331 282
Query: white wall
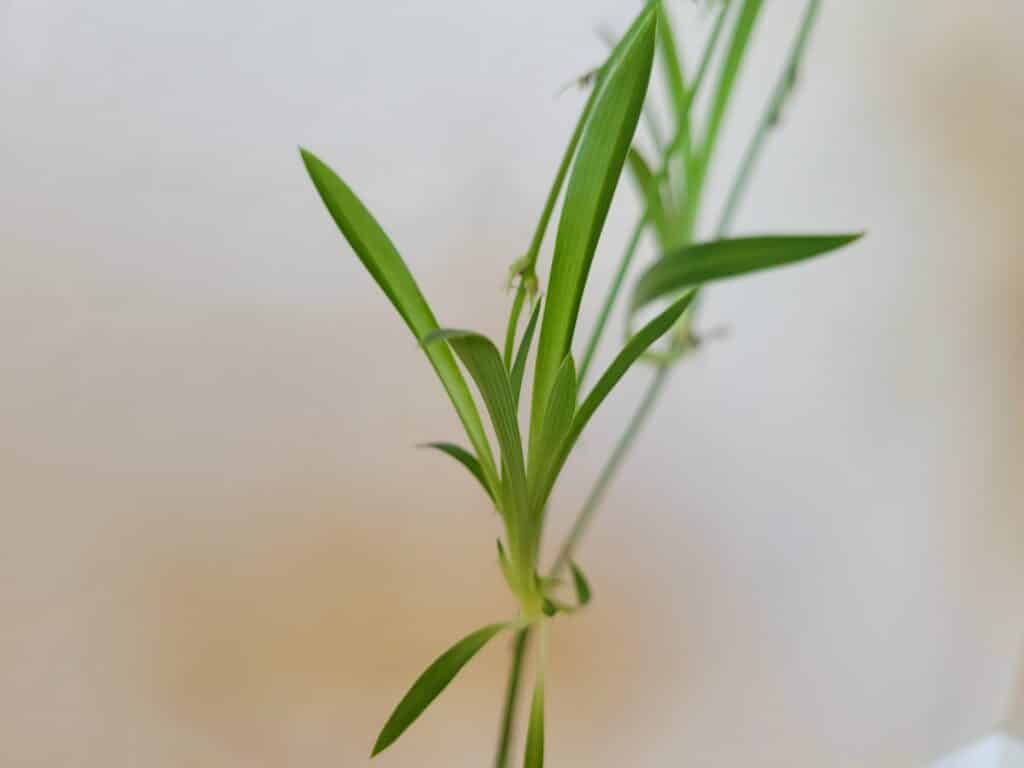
217 544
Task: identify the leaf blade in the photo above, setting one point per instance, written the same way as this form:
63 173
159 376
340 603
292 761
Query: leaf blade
485 365
466 459
596 171
380 257
558 415
583 593
646 182
635 347
720 259
431 683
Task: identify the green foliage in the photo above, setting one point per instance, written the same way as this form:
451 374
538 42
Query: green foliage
466 459
670 186
430 684
581 584
703 263
595 174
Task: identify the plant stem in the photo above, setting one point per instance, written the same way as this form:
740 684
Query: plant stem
513 324
771 116
508 716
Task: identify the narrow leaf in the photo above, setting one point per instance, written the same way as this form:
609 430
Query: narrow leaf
749 12
466 459
651 192
519 367
602 152
534 757
377 253
718 259
430 684
558 417
672 65
483 361
580 582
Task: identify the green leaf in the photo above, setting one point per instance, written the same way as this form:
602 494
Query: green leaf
651 192
635 347
377 253
602 152
672 65
749 12
466 459
580 582
534 757
558 417
519 367
770 118
483 361
430 684
718 259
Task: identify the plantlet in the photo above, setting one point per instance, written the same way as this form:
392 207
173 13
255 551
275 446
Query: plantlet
519 476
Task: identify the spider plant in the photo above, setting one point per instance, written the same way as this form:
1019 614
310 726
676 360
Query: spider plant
519 476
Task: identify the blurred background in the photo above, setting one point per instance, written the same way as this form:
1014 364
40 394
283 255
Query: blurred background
218 544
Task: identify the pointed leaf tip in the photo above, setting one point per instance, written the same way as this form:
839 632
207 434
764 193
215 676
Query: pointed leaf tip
582 586
430 684
731 257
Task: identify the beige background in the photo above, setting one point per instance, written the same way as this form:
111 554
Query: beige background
218 545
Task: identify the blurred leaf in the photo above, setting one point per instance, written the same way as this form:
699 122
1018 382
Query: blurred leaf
484 363
738 44
770 118
651 192
519 367
704 262
672 66
618 99
534 757
466 459
377 253
430 684
580 582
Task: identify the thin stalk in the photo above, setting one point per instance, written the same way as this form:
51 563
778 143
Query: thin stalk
508 716
610 298
738 45
513 324
530 260
771 116
525 267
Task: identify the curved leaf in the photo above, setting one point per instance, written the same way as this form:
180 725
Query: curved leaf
602 152
634 348
430 684
380 257
483 361
704 262
649 189
466 459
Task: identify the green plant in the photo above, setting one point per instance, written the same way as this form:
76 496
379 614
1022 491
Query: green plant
519 479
